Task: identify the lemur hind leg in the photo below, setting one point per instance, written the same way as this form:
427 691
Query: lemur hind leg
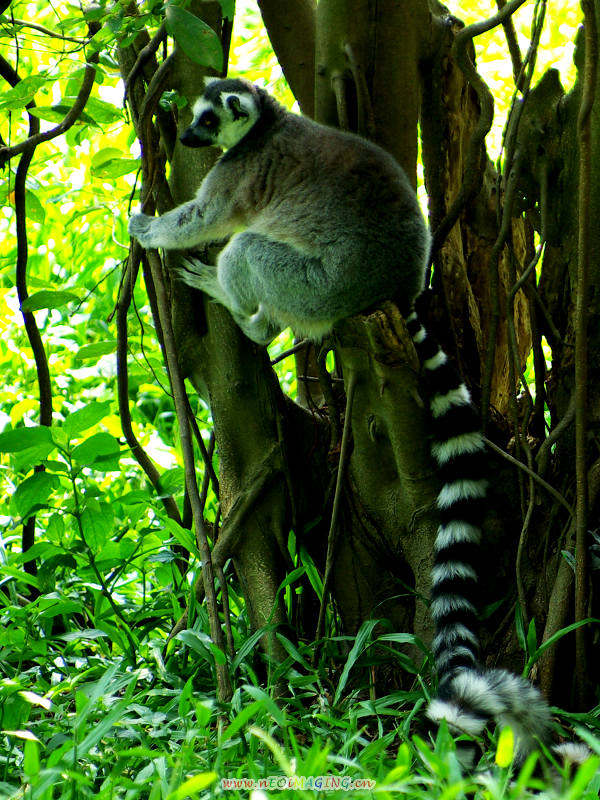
251 318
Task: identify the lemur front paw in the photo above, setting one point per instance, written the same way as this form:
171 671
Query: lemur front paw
140 227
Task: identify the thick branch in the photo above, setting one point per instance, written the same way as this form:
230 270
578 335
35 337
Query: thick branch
473 163
291 29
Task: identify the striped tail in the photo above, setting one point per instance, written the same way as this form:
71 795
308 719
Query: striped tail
468 695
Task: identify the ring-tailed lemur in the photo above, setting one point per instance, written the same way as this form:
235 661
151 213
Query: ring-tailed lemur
323 224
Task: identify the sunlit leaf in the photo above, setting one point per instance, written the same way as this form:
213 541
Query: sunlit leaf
102 451
34 492
20 95
197 39
85 417
22 438
506 747
34 208
192 786
96 350
57 113
48 299
112 163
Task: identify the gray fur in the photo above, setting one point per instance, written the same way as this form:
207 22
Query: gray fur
323 224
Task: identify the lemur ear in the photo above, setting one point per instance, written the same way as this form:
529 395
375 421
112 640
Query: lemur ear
234 105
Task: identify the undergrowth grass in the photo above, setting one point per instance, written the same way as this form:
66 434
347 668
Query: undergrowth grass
80 721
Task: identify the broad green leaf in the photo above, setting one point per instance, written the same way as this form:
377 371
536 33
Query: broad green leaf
95 350
58 607
103 112
104 155
34 209
101 451
17 98
228 8
197 39
135 497
172 481
23 438
85 417
19 575
48 299
36 699
57 113
34 492
197 641
115 168
96 520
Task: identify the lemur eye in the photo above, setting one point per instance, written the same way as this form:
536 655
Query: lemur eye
208 119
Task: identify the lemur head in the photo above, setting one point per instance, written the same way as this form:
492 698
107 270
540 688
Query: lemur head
224 114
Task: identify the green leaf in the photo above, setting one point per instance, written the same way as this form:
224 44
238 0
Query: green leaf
172 481
103 112
197 39
87 634
197 641
104 155
48 299
268 703
555 638
228 8
184 537
240 720
531 638
34 492
34 209
85 417
96 350
360 642
17 98
193 786
115 168
506 747
100 451
57 113
23 438
97 521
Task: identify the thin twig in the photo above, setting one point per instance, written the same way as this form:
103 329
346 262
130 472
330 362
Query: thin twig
337 498
223 683
47 32
532 474
137 450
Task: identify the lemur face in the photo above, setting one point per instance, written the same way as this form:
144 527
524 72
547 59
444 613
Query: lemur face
223 115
